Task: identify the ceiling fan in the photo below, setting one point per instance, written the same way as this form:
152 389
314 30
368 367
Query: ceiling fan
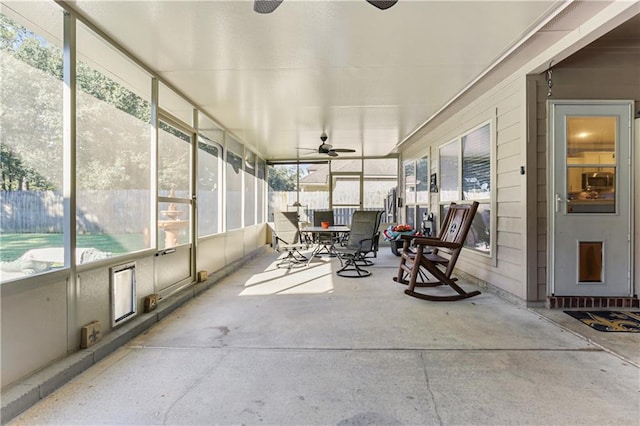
327 149
268 6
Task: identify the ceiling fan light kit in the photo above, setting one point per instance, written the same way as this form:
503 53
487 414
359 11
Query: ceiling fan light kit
268 6
328 149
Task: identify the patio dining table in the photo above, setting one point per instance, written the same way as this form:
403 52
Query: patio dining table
338 231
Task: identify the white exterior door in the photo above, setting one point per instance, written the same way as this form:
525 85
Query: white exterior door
591 199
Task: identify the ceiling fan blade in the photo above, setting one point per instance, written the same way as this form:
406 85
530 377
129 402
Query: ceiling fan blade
343 150
307 149
265 6
332 153
382 4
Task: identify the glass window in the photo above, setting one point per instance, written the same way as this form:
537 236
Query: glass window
409 182
416 191
209 162
591 164
174 171
283 187
380 182
476 165
449 161
465 174
31 143
422 181
260 190
234 189
113 151
174 159
249 188
314 187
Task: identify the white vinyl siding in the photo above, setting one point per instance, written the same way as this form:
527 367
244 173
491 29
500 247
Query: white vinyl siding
504 108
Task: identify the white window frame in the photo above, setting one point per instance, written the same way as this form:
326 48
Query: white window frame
491 201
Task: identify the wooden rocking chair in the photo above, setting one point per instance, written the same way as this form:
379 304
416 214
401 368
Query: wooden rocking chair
437 256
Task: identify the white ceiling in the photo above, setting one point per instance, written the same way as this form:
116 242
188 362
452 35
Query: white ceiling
368 78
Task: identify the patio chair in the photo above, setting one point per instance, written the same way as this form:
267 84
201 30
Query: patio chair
376 242
287 239
438 256
361 240
325 239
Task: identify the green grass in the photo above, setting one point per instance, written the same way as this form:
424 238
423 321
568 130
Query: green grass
12 246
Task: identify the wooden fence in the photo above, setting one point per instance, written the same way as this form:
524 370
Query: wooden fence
117 212
319 200
127 211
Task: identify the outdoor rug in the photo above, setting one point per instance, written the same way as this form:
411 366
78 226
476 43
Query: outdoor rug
609 320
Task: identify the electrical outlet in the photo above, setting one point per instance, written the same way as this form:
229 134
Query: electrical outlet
90 334
150 302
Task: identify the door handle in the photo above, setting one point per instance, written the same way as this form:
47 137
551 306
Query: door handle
559 200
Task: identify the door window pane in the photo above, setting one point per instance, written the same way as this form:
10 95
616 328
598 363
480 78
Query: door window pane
591 140
591 164
591 190
174 159
173 224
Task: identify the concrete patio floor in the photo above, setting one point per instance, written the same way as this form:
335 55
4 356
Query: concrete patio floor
306 347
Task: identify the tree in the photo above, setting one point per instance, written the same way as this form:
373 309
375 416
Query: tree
109 118
282 178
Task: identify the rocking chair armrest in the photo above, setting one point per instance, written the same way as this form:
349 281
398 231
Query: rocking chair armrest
435 242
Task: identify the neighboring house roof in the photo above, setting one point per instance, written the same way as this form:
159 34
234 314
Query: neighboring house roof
319 173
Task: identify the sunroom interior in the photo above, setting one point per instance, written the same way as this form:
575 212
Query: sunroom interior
163 136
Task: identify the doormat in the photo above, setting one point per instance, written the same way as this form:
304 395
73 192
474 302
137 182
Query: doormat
621 321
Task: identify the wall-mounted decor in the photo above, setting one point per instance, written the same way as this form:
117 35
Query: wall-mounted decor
433 183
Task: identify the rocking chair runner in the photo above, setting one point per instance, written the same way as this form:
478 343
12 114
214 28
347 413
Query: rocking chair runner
437 256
